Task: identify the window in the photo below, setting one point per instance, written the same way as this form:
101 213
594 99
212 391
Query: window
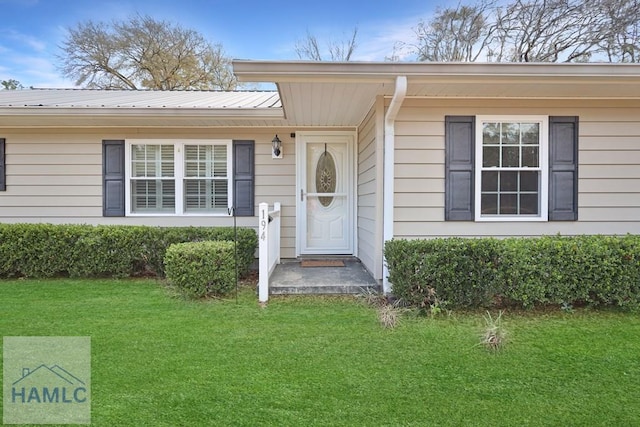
557 171
511 168
206 182
178 177
153 186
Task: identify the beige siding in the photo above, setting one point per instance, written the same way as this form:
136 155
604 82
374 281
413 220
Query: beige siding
369 221
55 175
609 167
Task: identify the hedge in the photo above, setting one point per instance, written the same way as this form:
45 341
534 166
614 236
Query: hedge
48 250
201 269
527 272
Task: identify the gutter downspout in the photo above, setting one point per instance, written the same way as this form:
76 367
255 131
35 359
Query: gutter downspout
389 169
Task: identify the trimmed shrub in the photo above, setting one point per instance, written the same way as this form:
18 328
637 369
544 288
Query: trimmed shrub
114 251
201 269
247 242
36 250
460 271
48 250
593 270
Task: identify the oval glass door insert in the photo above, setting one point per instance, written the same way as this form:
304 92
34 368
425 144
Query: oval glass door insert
326 177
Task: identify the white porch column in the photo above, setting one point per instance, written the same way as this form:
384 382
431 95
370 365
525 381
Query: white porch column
389 168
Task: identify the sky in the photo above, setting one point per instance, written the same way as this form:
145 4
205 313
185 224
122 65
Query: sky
31 31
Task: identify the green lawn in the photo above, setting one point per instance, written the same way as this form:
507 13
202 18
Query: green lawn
161 361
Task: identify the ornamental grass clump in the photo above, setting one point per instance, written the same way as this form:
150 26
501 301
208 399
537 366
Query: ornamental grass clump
372 298
494 336
389 316
388 308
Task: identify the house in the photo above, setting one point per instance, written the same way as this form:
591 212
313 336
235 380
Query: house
370 152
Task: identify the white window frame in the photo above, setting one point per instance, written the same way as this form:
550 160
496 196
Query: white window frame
179 175
543 192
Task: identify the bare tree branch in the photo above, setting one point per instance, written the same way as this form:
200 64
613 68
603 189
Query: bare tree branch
548 31
143 53
533 31
456 34
342 50
308 48
622 42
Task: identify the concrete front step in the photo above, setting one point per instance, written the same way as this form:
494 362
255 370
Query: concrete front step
324 290
290 278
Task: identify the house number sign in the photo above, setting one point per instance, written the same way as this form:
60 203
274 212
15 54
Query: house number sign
263 225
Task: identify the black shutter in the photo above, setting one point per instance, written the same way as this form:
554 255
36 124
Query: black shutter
459 168
3 169
563 168
113 178
243 177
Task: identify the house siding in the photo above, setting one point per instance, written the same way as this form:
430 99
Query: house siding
609 167
55 176
369 182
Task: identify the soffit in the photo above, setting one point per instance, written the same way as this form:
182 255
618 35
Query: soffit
342 93
328 103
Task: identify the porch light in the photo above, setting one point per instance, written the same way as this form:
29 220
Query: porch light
277 148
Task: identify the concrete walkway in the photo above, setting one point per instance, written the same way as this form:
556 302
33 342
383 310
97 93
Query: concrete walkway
291 278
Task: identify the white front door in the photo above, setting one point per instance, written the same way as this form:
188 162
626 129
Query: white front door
325 193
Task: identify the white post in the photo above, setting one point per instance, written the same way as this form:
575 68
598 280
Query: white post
263 252
276 207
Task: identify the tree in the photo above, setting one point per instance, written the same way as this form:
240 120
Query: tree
11 84
549 31
622 43
533 31
455 34
142 53
309 48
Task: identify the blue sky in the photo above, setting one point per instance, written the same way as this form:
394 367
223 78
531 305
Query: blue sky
32 30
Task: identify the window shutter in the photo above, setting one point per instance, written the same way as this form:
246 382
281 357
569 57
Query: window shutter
113 178
3 170
243 177
563 168
459 168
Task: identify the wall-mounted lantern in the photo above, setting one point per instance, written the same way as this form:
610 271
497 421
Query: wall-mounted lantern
276 145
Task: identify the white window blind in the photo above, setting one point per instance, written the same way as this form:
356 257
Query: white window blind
153 186
206 182
179 177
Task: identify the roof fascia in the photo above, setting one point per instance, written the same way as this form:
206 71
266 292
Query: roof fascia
291 71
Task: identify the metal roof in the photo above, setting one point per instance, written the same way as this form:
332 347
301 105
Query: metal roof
86 98
139 108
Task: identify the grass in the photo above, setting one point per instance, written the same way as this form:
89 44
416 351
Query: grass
162 361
